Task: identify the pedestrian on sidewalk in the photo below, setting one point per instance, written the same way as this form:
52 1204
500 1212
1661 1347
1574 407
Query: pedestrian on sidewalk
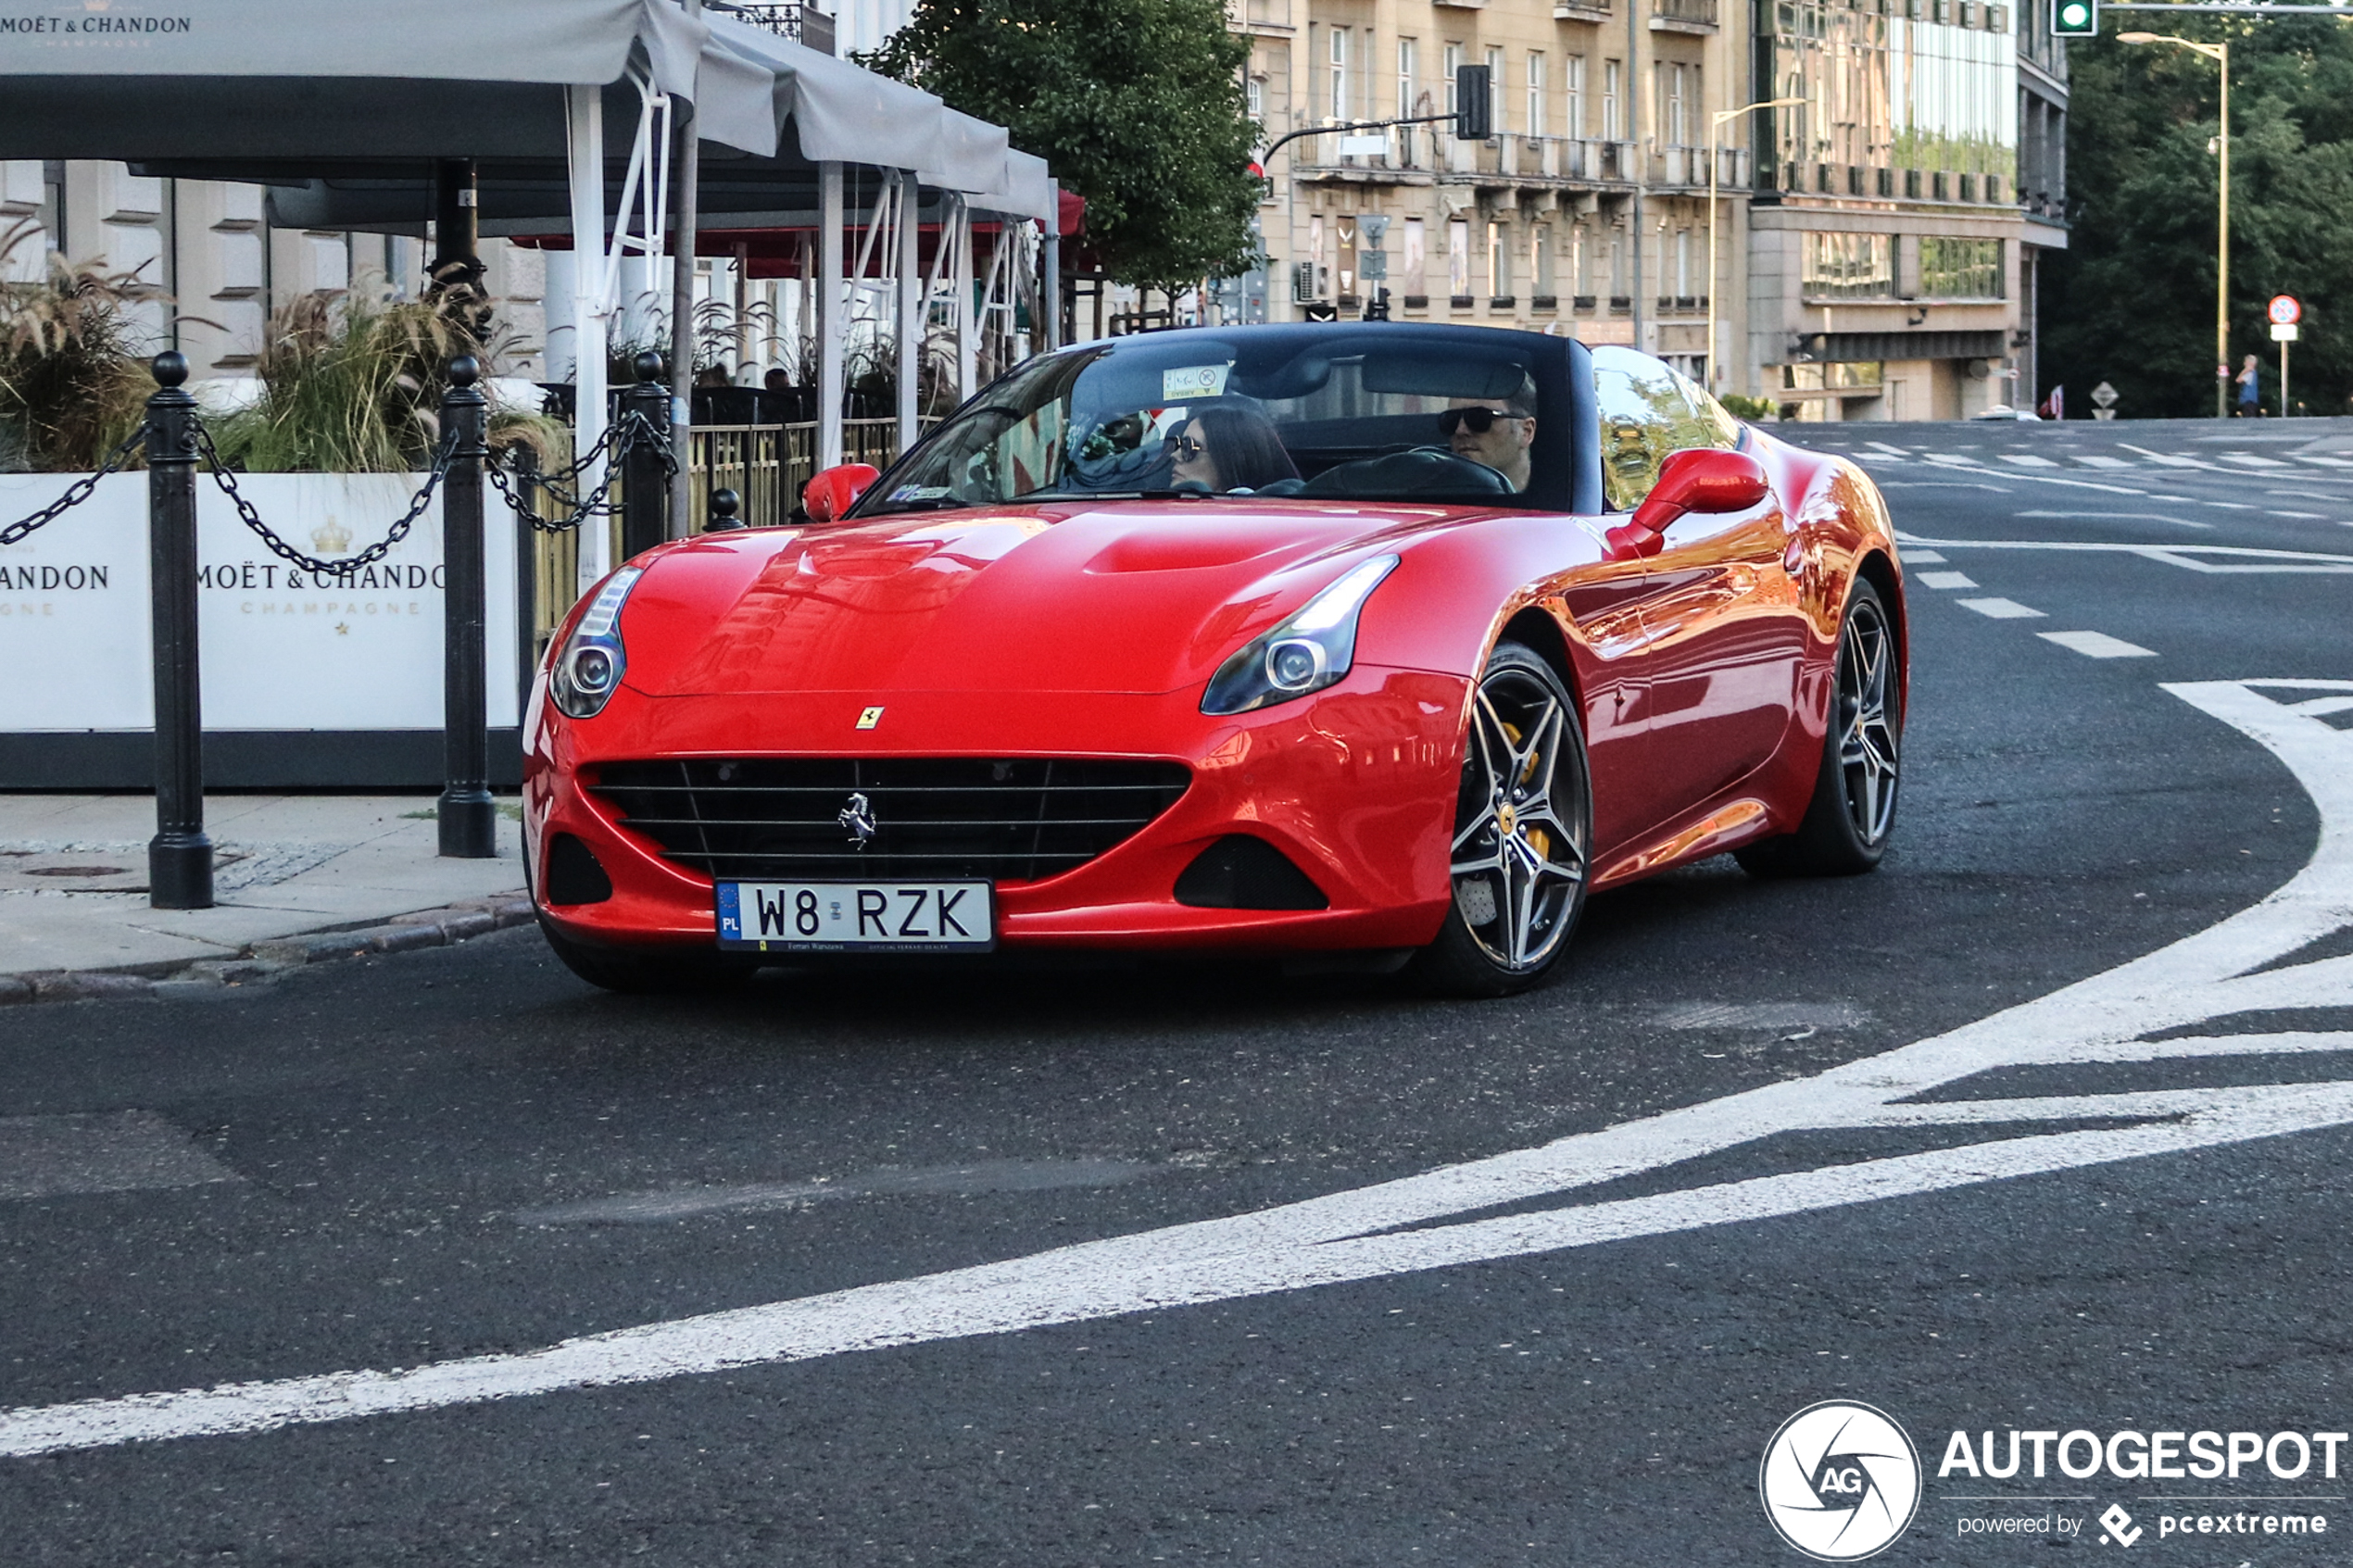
2250 391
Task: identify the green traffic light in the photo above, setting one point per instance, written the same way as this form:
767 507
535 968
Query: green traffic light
2077 17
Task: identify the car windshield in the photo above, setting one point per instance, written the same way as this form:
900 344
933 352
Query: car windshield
1371 415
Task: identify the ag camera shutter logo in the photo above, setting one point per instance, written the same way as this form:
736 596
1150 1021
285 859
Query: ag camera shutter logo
1840 1481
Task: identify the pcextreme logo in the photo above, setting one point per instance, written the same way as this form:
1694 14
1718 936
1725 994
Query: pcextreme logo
1840 1481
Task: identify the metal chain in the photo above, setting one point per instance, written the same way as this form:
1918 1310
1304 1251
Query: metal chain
312 564
76 493
632 430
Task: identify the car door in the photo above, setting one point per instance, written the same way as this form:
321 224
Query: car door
1722 632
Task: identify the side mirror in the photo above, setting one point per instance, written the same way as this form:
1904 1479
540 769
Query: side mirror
1702 479
832 493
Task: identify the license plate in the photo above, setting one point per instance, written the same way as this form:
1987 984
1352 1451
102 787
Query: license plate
831 916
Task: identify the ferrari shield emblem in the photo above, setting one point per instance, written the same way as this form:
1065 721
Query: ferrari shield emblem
868 718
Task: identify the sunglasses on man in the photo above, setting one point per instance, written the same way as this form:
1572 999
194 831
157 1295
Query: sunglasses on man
1479 421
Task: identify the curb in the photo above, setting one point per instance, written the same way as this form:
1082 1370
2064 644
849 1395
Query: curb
266 960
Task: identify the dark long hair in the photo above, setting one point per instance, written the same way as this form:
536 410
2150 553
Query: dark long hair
1243 445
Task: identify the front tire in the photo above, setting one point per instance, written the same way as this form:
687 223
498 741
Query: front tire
650 971
1851 815
1523 828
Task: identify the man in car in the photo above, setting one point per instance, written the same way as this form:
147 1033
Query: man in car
1496 431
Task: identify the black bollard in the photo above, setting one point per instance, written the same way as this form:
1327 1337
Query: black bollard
645 518
723 504
468 817
180 856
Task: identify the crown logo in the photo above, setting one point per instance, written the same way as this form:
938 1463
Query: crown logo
331 537
96 4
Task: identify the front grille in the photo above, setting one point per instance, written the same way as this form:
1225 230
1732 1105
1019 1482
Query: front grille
781 819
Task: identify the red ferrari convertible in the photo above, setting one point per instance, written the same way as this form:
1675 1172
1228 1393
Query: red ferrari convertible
1386 637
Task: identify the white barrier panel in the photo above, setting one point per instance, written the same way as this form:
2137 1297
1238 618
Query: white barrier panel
281 650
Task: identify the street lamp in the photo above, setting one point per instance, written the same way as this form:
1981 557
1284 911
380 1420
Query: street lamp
2220 55
1714 151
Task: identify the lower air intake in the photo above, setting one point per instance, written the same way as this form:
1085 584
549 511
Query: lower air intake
784 820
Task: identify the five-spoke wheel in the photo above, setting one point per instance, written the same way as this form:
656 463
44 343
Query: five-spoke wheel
1523 827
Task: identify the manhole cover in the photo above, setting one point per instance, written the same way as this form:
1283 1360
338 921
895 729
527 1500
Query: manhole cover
77 871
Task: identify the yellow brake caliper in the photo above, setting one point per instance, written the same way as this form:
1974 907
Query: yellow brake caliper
1538 839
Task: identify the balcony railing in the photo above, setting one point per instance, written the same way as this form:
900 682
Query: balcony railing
1685 13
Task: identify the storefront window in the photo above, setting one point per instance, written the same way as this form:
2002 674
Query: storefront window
1889 92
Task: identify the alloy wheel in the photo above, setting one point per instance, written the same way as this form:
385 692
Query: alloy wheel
1519 851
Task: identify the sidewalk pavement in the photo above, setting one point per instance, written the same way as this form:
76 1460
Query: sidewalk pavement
73 878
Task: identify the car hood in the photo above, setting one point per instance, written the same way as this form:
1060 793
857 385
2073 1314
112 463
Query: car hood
1141 596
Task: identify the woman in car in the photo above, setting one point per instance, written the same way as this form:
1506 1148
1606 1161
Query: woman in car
1228 447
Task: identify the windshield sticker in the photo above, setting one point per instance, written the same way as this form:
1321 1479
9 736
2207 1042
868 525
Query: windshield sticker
1194 381
921 492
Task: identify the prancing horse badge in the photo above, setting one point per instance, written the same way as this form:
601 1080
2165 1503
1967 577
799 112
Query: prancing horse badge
869 717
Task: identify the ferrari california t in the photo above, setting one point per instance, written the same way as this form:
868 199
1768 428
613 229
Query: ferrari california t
1390 638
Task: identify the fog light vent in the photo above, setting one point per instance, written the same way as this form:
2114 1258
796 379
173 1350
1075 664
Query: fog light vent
1243 872
574 875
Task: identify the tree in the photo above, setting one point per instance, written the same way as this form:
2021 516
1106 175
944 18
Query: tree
1138 104
2133 302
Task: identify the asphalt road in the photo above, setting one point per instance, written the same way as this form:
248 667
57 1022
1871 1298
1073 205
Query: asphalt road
466 1153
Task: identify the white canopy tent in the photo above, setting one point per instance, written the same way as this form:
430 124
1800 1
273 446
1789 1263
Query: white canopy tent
341 101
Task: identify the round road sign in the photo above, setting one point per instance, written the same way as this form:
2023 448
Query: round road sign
2285 310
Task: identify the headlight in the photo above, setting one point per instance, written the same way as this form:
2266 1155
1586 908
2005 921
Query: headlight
587 668
1304 654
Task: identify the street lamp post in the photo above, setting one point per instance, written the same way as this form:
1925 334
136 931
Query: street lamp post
1714 156
2220 55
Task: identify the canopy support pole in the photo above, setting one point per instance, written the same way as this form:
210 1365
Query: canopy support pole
1049 266
967 345
686 195
830 324
585 123
911 312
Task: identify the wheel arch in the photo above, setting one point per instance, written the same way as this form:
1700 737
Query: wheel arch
1536 628
1877 569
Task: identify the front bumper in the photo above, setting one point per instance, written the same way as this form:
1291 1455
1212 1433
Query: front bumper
1356 784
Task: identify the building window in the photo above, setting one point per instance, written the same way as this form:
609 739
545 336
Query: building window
1618 291
1580 263
1415 246
1540 262
1611 130
1573 80
1255 89
1849 267
1316 274
1683 289
1458 258
1672 124
1498 262
1535 93
1495 91
1961 268
1453 64
1406 75
1338 107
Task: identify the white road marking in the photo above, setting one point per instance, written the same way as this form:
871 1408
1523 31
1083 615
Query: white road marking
2001 610
2152 517
2309 517
2232 505
1891 451
2097 645
2240 558
2170 460
2324 462
1941 484
2248 459
2027 461
1360 1235
1947 579
1921 558
2100 460
1763 1015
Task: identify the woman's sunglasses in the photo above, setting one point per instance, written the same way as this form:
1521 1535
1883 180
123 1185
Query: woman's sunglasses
1480 420
1184 449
